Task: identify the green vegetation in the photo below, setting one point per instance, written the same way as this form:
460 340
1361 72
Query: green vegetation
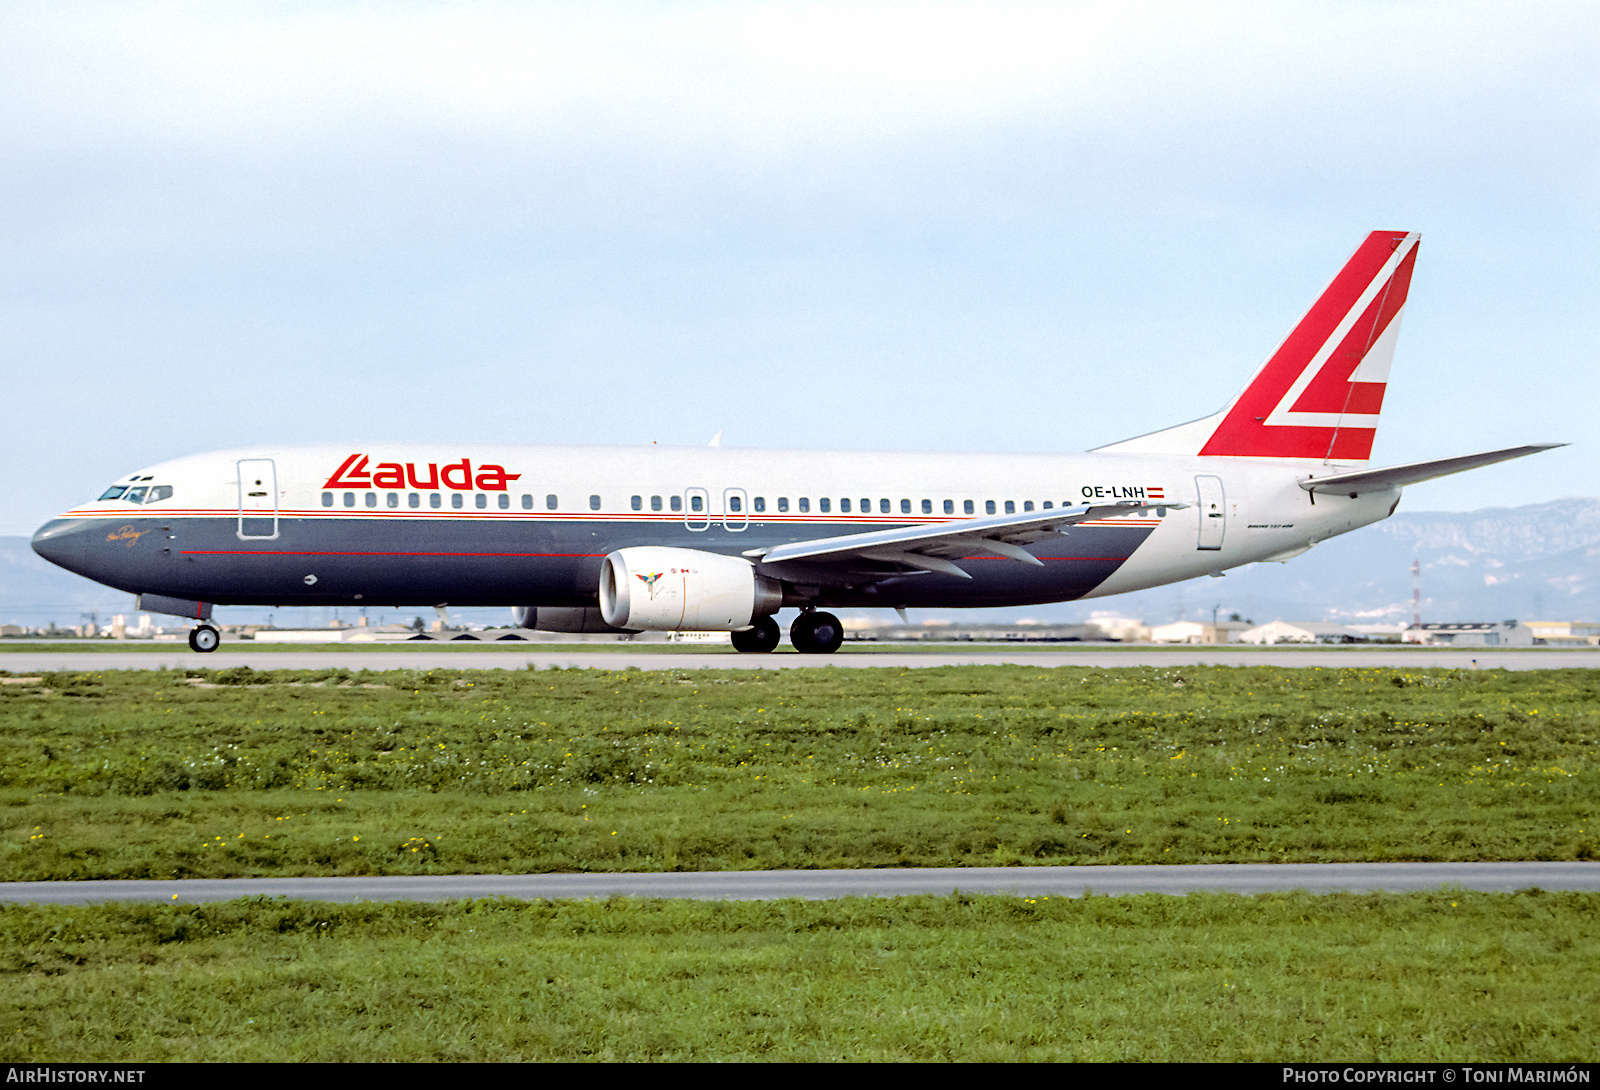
123 774
1417 977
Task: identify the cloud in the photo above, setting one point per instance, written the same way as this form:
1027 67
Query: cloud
769 83
893 200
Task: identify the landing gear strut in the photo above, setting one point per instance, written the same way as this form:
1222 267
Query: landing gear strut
204 638
760 638
816 633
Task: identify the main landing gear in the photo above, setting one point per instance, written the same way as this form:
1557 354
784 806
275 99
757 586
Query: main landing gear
816 633
812 633
760 638
204 638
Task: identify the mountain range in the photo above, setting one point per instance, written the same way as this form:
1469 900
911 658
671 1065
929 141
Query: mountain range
1537 562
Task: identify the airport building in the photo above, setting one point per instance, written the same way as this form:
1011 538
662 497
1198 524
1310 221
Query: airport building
1303 632
1472 634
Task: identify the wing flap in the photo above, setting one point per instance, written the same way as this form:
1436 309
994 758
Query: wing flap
929 547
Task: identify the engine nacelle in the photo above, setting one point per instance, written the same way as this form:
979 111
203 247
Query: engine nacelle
561 619
661 589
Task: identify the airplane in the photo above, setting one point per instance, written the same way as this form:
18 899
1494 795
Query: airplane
621 539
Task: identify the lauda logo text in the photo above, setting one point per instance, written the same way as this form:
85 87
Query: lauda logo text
353 473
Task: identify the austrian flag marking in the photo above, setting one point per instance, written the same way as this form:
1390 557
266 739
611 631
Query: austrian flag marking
353 472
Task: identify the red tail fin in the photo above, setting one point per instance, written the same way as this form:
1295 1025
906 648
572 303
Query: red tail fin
1319 395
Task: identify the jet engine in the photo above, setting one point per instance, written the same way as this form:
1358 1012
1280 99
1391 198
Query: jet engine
663 589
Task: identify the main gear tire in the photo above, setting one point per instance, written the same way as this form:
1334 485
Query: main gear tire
760 638
204 639
816 634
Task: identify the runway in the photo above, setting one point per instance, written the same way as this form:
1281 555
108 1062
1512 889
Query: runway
1241 878
659 657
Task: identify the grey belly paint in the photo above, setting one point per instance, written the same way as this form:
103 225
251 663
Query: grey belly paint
494 562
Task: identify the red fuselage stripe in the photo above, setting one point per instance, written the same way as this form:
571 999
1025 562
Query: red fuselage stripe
316 552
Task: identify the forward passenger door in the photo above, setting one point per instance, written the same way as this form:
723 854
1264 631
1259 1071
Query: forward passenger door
258 499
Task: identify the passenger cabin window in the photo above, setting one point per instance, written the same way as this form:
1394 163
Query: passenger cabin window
734 505
760 504
866 507
434 499
550 502
949 507
413 500
844 506
481 501
696 503
1046 505
966 507
349 499
655 503
805 505
372 499
394 499
905 506
455 501
884 507
1011 507
636 502
327 499
988 507
822 505
783 505
504 502
527 502
1027 505
677 503
114 492
594 503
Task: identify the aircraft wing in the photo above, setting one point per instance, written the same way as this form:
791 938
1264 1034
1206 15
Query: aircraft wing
1374 480
931 547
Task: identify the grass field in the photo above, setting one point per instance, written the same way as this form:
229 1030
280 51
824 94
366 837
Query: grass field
245 772
116 774
1463 977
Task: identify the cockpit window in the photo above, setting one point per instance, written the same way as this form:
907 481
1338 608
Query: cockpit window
159 492
136 495
114 492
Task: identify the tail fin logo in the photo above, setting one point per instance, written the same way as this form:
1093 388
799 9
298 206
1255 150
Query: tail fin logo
1320 393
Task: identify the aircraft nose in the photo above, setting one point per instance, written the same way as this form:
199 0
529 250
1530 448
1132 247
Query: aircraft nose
65 543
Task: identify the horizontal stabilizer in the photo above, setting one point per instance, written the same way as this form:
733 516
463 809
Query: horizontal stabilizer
1375 480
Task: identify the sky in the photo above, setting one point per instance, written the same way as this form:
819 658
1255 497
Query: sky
993 227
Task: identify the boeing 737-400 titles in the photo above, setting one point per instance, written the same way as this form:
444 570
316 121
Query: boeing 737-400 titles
651 539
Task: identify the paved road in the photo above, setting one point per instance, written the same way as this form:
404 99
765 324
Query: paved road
824 884
672 658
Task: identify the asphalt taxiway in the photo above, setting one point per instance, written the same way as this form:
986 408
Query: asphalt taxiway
1241 878
657 657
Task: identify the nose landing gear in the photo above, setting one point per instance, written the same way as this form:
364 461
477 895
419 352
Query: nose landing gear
204 638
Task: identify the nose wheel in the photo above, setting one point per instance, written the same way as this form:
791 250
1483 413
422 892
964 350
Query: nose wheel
816 633
204 638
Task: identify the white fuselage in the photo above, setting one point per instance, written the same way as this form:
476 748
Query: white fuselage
476 523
